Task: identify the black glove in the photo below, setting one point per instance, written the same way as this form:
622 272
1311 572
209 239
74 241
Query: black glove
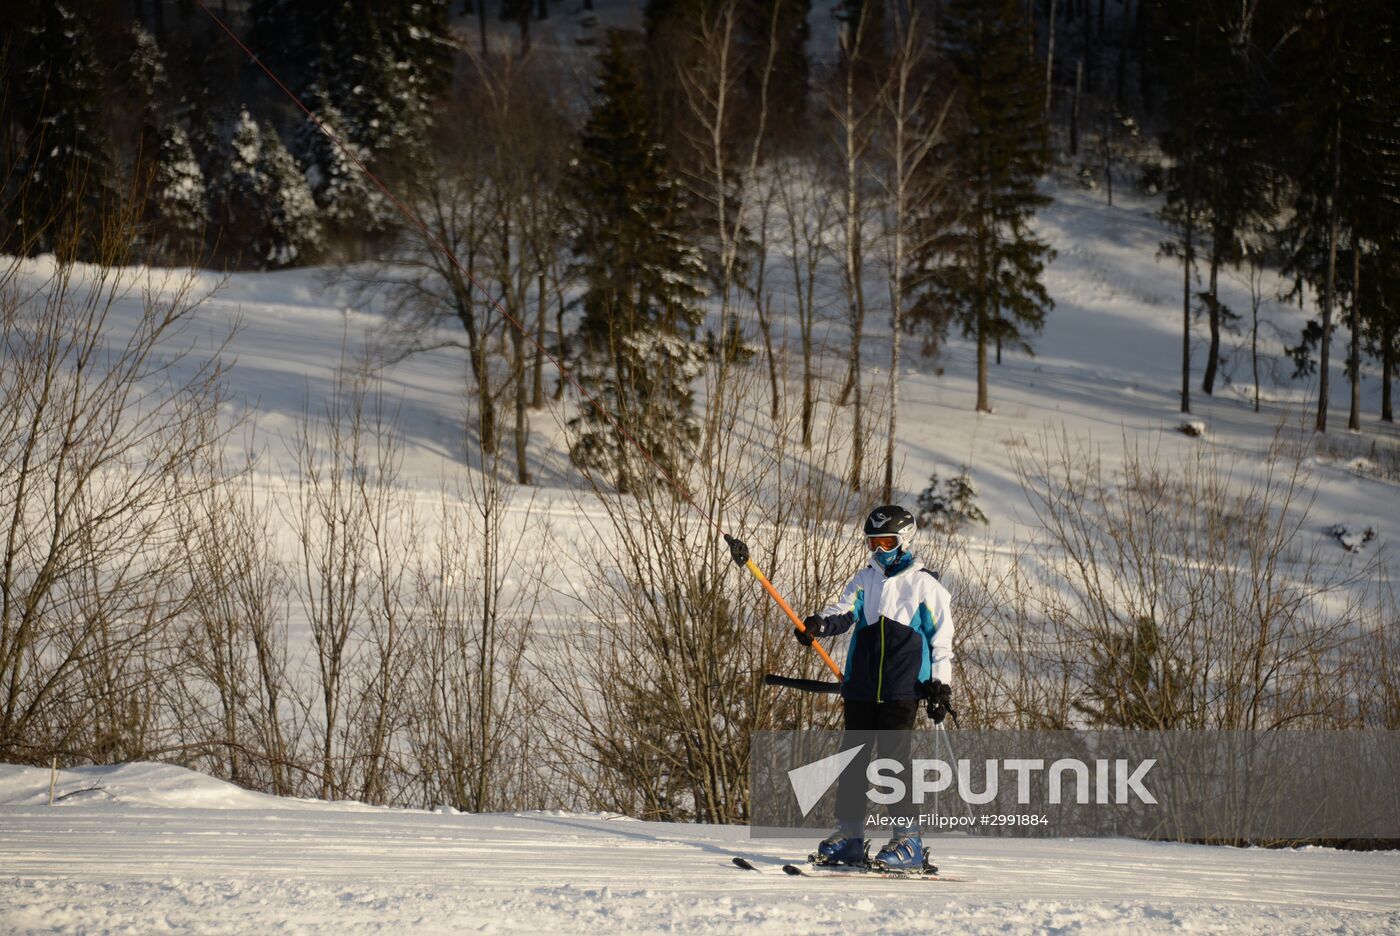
813 624
938 701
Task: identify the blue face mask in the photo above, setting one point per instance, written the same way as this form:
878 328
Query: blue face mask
885 557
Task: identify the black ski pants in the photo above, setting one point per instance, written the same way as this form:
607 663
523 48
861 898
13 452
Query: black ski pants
863 720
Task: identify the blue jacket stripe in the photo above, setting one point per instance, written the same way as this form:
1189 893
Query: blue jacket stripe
857 615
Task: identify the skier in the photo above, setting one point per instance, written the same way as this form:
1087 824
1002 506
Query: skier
901 653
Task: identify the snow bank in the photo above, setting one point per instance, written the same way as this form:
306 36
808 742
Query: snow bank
138 784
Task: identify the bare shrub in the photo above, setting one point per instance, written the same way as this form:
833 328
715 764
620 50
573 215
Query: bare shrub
1007 664
105 411
237 702
354 531
474 736
1377 457
1188 595
1373 683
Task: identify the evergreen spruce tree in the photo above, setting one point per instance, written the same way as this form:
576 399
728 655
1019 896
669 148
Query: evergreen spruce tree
178 199
176 211
637 337
56 148
979 264
380 65
238 190
146 67
291 229
350 206
1333 97
1220 108
1136 681
263 208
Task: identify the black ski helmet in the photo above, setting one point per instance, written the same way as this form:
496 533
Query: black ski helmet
891 520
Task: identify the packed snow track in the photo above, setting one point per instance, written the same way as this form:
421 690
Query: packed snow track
146 848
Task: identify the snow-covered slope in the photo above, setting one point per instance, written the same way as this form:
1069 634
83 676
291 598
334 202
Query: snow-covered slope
146 848
1105 373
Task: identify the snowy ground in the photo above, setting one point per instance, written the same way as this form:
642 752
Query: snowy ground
149 848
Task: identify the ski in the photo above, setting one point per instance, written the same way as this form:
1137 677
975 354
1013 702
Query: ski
816 871
746 864
808 869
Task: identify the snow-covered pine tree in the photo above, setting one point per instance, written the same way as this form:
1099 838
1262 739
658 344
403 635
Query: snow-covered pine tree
147 70
55 139
637 337
948 507
380 64
292 226
384 104
262 205
176 201
238 189
978 259
350 206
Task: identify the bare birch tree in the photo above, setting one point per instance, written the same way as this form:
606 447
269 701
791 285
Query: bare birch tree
809 219
431 301
913 125
853 106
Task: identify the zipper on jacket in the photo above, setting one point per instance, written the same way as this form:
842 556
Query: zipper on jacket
880 676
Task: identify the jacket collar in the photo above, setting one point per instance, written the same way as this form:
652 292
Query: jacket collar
909 563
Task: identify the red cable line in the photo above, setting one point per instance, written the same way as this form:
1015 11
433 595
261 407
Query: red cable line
429 236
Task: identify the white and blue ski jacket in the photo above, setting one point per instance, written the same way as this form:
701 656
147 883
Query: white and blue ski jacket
903 632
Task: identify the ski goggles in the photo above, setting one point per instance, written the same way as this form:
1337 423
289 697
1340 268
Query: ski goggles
882 543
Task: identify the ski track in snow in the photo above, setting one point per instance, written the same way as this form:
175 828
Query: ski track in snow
158 849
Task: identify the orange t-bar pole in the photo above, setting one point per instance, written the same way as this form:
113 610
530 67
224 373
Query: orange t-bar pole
740 552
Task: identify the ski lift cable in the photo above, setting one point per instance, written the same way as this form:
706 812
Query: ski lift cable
738 550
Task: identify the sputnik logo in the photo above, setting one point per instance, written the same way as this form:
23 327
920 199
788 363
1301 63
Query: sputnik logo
811 781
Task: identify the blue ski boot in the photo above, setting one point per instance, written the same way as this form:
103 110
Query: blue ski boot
840 849
902 853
